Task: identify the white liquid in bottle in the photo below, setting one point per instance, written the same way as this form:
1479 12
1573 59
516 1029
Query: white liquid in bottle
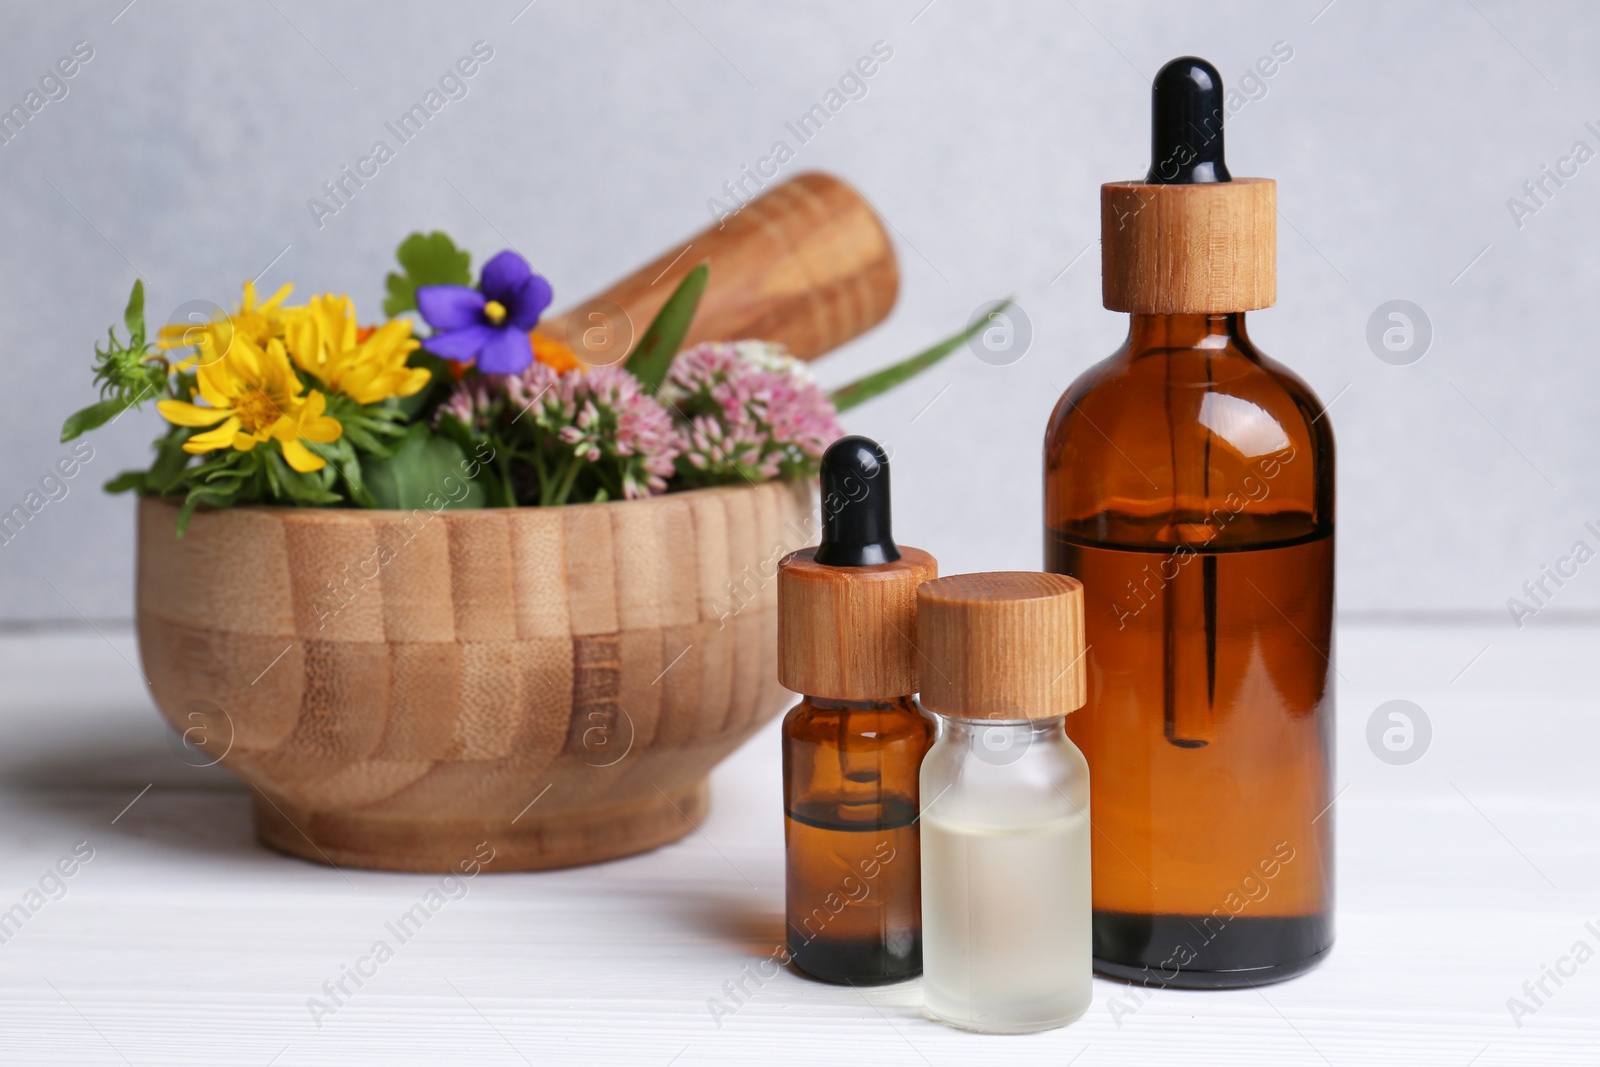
1006 890
1006 922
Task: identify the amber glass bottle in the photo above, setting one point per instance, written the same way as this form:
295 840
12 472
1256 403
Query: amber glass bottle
853 746
1189 487
853 899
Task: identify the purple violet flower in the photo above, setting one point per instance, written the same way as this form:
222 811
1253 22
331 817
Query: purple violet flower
489 323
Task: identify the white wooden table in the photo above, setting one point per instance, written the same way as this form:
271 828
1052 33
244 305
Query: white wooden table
1461 876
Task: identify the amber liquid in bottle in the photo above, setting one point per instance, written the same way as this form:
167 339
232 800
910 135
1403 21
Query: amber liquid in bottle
1189 486
854 897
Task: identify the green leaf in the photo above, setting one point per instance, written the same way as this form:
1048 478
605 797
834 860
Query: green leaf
357 435
428 259
428 397
424 470
92 417
863 389
133 315
171 461
212 498
198 496
274 486
186 513
342 457
490 476
659 346
308 488
453 429
127 480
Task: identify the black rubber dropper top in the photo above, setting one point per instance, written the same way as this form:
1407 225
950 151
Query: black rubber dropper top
1186 124
855 505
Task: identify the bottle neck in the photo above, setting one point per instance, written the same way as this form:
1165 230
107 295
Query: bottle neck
1155 333
882 704
998 736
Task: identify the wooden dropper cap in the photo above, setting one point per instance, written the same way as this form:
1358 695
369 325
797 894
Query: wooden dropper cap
1006 645
1190 238
847 609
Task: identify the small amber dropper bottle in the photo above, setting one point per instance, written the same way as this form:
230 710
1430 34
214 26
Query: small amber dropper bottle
847 614
1189 486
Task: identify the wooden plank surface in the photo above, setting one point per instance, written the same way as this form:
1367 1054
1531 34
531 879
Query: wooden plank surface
180 941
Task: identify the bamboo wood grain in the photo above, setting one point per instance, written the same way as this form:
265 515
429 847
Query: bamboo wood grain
401 687
807 264
1189 249
850 633
1002 645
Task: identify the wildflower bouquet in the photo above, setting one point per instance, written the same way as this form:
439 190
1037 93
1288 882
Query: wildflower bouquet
303 405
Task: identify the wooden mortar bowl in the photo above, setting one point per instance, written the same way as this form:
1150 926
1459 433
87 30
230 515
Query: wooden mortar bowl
401 688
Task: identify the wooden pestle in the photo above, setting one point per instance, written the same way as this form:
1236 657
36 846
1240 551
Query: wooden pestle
806 264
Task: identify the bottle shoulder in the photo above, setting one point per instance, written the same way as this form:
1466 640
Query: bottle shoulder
1121 392
886 721
1304 398
1108 374
1211 441
976 783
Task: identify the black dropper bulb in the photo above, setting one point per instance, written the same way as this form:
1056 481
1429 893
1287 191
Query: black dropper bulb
855 505
1186 124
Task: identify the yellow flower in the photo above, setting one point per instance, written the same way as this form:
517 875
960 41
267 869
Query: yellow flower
365 365
255 397
258 323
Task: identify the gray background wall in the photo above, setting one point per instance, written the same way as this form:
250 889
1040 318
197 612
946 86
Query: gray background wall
187 147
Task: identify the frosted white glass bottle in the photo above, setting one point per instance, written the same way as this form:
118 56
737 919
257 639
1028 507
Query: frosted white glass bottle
1006 888
1005 873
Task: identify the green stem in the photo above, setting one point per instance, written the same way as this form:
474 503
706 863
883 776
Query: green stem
507 494
567 481
541 472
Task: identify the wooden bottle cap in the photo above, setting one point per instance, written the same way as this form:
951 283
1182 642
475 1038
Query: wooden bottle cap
1207 248
850 633
1004 645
